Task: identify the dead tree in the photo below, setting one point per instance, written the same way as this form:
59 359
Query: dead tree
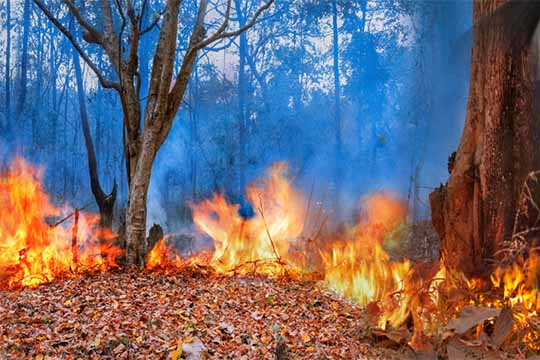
145 129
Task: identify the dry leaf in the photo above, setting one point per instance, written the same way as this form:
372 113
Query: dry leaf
178 351
193 350
503 327
471 316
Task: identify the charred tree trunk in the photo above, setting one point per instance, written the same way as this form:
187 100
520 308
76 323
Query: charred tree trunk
474 213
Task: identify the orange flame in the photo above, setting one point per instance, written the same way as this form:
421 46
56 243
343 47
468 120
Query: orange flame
358 267
33 252
163 256
263 240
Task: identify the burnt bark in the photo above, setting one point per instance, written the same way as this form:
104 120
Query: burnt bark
474 212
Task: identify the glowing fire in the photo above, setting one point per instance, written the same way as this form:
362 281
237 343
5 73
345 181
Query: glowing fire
261 242
34 252
353 261
358 267
163 256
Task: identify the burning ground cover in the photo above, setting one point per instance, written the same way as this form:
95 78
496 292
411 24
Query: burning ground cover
36 247
287 254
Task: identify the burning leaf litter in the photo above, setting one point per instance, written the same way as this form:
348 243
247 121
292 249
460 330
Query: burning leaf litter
286 240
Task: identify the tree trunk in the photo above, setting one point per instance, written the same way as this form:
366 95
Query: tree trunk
241 102
105 202
337 108
24 60
474 213
138 191
8 64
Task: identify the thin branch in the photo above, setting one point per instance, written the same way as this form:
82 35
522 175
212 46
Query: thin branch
96 35
104 82
122 28
154 22
261 212
221 34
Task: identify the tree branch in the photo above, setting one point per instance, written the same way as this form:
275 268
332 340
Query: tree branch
104 82
154 23
221 35
94 34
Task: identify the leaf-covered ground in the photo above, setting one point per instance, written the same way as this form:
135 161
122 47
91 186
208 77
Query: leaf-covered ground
134 315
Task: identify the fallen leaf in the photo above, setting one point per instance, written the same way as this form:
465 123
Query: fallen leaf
305 338
178 351
471 316
193 350
503 327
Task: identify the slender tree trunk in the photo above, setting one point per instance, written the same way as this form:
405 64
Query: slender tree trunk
24 60
337 108
36 110
242 102
8 63
104 202
193 138
474 213
53 109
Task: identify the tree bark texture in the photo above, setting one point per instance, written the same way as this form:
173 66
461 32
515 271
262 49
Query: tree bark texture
474 212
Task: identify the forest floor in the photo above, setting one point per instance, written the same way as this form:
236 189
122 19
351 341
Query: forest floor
141 315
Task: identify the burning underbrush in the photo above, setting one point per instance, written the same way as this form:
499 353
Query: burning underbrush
37 246
421 305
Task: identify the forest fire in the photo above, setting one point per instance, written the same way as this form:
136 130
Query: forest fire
263 241
35 252
358 267
353 262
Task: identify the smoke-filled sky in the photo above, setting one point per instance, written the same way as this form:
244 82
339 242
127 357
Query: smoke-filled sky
403 77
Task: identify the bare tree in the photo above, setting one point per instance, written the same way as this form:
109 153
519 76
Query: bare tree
145 130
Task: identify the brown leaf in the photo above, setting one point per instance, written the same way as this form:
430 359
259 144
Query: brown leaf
471 316
399 336
503 327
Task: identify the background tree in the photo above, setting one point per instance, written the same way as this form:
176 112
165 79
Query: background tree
165 92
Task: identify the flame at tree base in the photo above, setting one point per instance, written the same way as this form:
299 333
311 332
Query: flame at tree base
354 263
33 252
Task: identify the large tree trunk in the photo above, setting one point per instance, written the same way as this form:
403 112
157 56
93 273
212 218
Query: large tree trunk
473 214
138 192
